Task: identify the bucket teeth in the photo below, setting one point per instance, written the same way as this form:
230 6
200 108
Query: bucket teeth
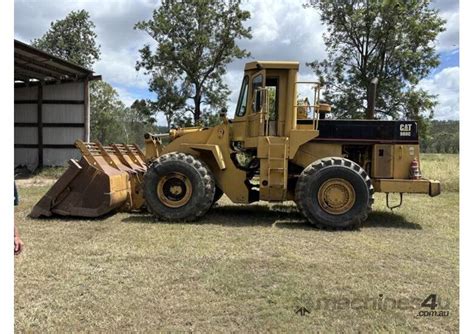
106 178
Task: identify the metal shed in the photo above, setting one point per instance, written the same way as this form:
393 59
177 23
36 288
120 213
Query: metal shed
51 107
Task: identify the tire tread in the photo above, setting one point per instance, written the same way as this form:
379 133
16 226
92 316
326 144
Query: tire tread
315 167
205 203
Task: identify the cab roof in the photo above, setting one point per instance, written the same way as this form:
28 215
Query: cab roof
259 64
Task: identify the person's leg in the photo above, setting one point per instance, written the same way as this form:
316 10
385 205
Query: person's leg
17 199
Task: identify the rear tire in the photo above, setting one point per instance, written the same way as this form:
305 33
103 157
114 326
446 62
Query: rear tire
334 193
178 187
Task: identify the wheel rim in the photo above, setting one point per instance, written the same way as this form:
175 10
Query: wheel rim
174 190
336 196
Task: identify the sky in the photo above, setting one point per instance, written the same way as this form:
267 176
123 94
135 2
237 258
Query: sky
282 30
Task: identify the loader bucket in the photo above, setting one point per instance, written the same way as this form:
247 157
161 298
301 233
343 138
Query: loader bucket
107 178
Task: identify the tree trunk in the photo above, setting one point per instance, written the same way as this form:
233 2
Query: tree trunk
369 114
197 108
101 136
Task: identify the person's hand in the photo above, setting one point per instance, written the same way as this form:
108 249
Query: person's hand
19 245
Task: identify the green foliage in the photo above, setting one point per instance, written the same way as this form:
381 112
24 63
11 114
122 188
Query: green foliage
183 121
112 122
171 99
196 39
139 119
272 112
107 114
442 137
390 40
210 119
72 39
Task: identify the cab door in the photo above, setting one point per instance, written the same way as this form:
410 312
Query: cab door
257 113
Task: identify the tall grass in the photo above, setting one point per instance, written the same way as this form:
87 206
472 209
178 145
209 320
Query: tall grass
442 167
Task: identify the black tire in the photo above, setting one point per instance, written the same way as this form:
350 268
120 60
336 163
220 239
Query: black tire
217 195
198 177
339 170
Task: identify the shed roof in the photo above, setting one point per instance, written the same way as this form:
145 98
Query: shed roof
32 63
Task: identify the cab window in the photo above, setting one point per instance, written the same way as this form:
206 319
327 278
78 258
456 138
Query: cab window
257 83
242 104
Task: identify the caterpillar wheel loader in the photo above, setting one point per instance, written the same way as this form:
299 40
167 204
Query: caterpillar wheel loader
275 149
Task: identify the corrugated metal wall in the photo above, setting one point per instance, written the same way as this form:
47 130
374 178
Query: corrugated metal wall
63 121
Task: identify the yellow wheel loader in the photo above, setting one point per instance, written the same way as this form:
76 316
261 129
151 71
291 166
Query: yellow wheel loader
276 148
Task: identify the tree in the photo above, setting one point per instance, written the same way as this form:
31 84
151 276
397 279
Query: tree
442 137
139 119
196 40
389 40
141 112
72 39
171 96
107 114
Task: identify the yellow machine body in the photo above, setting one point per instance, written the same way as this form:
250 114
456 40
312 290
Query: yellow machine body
273 129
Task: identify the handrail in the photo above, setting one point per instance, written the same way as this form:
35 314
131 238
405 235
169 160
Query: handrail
316 99
264 110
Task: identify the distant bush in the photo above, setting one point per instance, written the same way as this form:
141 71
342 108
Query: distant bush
441 137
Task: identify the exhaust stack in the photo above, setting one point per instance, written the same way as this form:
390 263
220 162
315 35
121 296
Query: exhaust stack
372 93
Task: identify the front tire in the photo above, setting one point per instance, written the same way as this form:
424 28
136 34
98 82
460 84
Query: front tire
334 193
178 187
218 195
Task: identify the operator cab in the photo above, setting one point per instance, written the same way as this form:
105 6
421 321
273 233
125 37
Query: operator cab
270 104
265 96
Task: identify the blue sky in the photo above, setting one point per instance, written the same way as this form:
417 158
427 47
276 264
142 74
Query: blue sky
282 30
448 59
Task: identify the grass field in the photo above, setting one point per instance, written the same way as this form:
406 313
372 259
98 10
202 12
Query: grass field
241 268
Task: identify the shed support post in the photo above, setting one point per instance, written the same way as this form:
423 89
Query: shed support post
40 125
87 111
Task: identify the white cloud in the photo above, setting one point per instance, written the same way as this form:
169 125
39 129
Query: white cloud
448 40
445 84
125 96
119 41
114 21
282 30
118 67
